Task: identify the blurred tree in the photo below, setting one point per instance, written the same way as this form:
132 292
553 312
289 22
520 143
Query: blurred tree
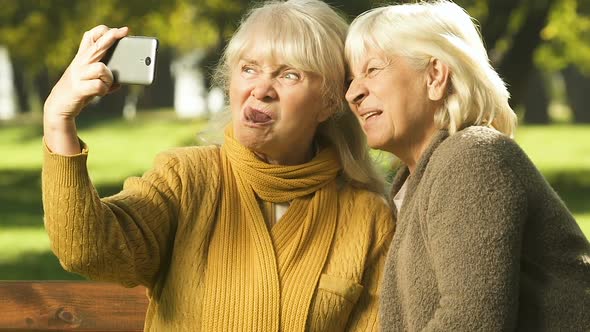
567 50
511 31
31 30
43 35
550 35
536 98
577 84
516 64
526 38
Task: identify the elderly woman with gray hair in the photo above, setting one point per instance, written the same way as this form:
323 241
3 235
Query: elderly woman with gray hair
482 242
283 227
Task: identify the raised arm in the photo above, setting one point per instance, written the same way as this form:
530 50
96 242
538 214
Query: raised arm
124 238
86 77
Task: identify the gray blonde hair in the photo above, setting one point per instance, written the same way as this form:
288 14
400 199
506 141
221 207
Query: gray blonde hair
309 35
442 30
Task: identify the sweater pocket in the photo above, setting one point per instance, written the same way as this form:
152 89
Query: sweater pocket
333 302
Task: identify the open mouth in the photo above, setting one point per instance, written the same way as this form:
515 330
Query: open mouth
257 116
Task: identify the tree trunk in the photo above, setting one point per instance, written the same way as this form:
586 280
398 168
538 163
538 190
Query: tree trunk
516 65
161 92
577 86
496 23
109 105
20 85
536 99
352 8
33 95
42 81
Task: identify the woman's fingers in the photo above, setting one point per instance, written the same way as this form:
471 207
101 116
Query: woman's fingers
91 36
96 70
96 42
114 87
86 77
100 47
91 80
92 88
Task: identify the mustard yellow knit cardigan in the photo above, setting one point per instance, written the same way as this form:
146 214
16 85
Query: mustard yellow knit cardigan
156 233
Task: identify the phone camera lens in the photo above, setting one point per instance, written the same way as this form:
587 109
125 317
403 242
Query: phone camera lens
148 61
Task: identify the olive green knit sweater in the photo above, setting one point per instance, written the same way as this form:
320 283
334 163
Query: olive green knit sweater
483 244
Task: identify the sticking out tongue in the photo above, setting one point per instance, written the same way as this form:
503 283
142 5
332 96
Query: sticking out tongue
257 116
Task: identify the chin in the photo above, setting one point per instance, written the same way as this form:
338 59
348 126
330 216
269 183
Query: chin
373 143
249 140
377 145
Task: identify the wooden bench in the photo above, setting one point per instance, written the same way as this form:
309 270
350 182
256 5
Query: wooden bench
71 306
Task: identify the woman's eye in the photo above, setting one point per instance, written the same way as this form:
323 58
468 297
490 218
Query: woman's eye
248 70
292 76
372 71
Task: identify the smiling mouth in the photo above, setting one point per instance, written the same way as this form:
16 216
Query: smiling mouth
371 114
256 116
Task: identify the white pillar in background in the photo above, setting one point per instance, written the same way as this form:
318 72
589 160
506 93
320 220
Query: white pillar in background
8 98
190 93
216 100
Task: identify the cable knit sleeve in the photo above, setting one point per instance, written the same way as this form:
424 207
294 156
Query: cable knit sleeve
473 229
124 238
365 316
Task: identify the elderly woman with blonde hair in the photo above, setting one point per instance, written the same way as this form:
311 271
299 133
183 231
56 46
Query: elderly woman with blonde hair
482 242
282 227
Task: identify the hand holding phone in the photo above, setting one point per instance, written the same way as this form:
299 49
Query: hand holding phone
132 60
85 78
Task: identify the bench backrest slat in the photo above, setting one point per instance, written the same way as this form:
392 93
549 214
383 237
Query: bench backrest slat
71 306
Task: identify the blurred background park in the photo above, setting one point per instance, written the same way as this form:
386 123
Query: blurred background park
540 47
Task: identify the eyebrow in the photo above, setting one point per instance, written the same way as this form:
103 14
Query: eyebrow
251 61
363 66
350 76
275 69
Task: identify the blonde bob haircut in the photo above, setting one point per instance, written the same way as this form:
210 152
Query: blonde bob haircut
442 30
308 35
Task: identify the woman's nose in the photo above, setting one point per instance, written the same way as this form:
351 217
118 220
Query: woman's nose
264 89
355 93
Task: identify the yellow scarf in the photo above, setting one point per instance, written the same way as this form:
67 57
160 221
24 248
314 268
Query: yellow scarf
249 286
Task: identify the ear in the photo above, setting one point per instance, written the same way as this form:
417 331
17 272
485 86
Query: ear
437 79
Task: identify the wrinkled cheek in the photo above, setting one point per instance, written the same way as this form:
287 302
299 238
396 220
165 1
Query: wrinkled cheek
239 90
235 103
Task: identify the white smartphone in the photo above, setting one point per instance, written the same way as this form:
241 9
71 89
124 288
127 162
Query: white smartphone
132 60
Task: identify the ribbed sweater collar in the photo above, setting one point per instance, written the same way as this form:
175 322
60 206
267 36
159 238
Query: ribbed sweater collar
403 173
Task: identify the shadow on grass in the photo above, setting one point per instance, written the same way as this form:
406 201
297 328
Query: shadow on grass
20 194
32 129
20 205
20 197
573 186
35 266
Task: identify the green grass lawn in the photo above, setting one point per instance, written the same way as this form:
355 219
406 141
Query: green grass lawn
119 149
562 153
